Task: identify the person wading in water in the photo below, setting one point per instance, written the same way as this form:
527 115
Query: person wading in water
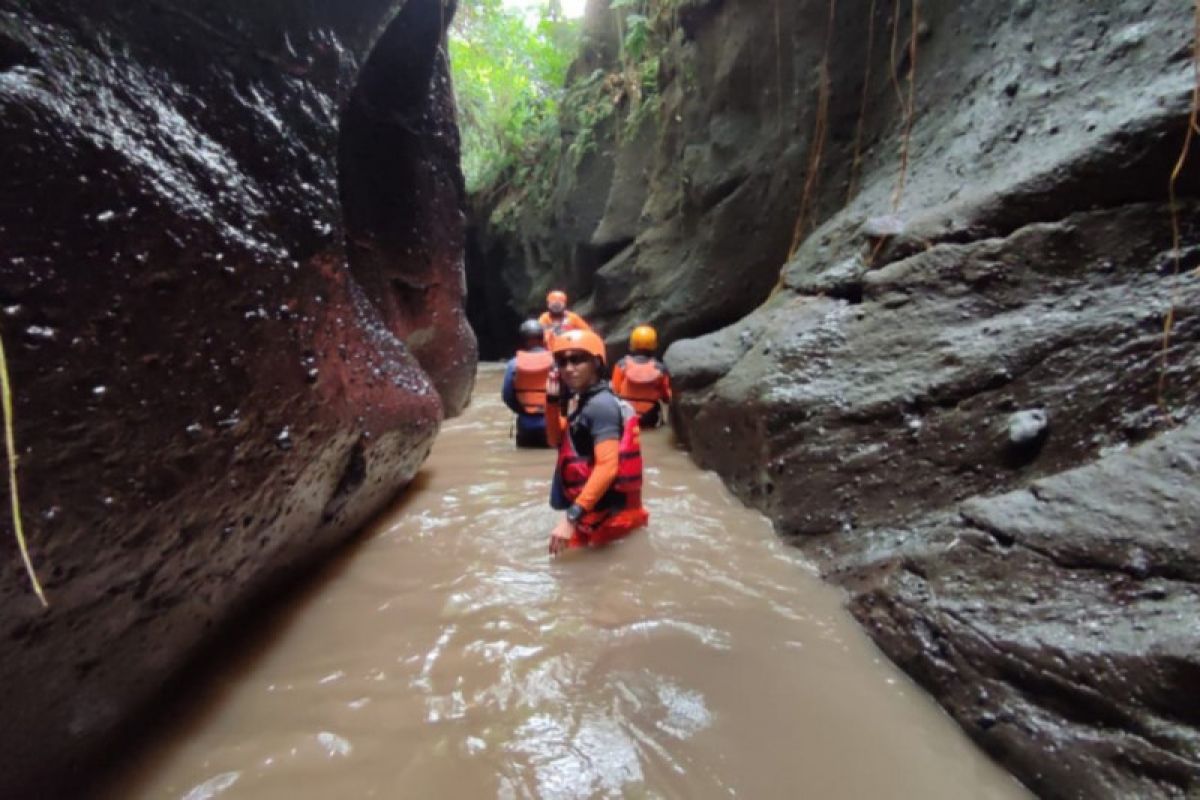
524 387
598 477
556 319
641 380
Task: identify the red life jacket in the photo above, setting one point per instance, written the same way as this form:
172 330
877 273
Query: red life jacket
626 490
529 379
642 384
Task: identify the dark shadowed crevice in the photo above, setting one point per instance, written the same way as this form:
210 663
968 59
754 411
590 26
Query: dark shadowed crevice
489 298
402 194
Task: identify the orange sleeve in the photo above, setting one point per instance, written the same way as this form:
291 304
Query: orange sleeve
604 472
544 319
666 387
578 321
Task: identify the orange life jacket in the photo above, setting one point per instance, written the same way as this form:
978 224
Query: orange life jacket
626 491
529 379
642 384
570 322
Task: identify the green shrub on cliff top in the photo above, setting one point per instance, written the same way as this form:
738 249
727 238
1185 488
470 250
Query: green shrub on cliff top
523 131
508 72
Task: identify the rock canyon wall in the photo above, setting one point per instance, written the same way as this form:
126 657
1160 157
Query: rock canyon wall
931 250
232 307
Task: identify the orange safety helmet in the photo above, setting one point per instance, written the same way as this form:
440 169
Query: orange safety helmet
556 296
643 338
586 341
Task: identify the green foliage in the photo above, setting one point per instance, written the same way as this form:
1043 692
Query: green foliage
586 106
523 131
508 78
637 36
648 106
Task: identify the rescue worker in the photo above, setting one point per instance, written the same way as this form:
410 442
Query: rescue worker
556 319
641 380
598 476
524 388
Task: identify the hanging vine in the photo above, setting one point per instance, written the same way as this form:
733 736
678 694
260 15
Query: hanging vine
907 103
856 160
1193 128
10 447
816 148
907 109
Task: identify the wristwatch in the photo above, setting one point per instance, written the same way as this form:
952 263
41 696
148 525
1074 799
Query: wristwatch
574 513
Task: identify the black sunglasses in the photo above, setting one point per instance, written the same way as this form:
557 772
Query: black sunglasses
572 358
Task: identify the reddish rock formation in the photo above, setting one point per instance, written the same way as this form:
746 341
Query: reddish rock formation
208 391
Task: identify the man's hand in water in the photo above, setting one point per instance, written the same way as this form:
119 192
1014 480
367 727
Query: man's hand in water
560 537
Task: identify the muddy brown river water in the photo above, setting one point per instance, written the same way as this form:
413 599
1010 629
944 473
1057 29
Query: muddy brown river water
447 656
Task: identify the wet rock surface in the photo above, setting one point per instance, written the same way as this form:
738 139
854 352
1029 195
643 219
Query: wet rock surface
879 434
836 400
1057 622
209 389
952 399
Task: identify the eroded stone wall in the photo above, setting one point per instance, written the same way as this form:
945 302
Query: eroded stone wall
208 392
931 250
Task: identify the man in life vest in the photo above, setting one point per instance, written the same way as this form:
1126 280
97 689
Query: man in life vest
524 388
598 477
642 380
556 319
